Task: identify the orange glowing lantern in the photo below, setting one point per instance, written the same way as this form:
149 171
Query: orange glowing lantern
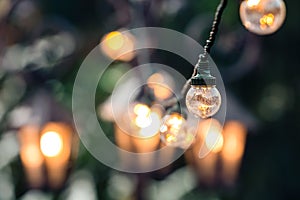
123 140
217 153
233 150
30 155
55 145
139 133
204 152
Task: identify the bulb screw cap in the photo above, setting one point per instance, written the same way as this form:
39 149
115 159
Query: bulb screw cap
203 76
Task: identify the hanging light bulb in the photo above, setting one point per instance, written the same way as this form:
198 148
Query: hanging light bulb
262 16
203 98
174 130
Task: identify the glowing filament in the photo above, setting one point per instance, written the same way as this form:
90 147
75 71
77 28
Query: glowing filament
173 124
170 138
267 20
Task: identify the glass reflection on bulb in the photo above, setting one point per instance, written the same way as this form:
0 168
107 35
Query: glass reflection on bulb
203 101
175 132
262 16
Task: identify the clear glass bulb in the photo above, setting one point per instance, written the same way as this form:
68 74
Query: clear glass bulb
175 132
203 101
262 16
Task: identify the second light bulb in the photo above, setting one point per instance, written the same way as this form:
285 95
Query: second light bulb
262 16
175 131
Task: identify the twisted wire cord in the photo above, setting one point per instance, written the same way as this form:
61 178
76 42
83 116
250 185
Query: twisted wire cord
215 27
209 43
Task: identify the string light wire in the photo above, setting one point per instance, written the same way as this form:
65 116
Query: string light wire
204 56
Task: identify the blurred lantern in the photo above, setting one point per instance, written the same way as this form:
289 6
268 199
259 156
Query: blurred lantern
220 152
141 135
141 115
55 144
123 141
146 145
233 150
140 120
118 45
30 155
204 152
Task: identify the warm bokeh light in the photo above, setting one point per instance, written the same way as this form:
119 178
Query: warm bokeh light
143 118
153 127
51 144
176 132
171 127
115 40
56 145
217 152
160 85
204 167
173 123
124 141
252 3
210 132
141 109
31 156
234 140
118 45
140 140
145 145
